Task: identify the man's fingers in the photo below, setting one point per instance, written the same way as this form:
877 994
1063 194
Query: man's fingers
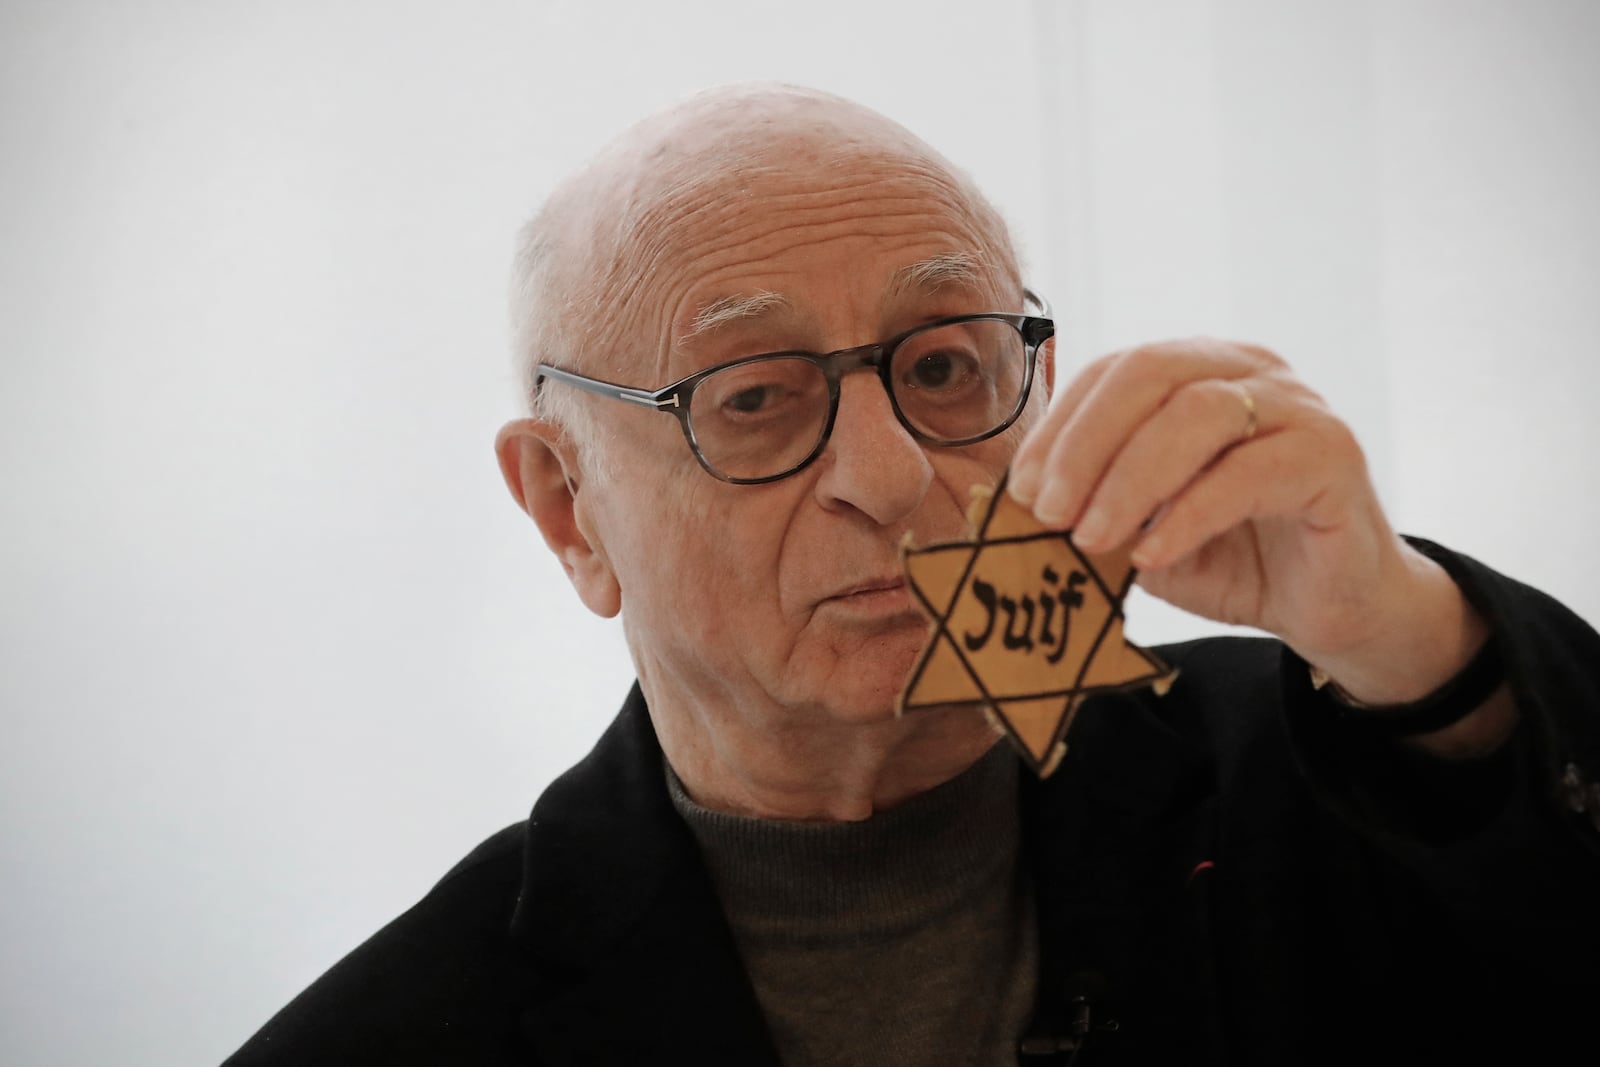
1090 437
1061 463
1196 424
1276 474
1027 465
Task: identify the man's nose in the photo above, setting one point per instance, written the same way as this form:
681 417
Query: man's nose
871 463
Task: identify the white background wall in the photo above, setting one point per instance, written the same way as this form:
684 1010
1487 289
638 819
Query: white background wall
275 648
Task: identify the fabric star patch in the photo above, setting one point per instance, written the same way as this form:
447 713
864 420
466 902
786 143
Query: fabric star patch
1024 625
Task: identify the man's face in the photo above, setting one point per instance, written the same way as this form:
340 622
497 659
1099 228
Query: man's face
788 596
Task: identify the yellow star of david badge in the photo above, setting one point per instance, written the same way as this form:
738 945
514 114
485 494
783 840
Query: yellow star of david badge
1024 625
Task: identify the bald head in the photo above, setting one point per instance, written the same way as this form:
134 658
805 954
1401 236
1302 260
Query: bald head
589 291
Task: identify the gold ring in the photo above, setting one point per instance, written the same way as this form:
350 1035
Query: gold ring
1249 412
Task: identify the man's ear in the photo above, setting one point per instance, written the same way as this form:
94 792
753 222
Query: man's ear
1047 359
541 471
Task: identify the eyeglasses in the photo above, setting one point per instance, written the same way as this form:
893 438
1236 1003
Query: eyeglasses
956 381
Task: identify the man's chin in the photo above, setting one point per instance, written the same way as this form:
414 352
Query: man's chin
841 675
870 693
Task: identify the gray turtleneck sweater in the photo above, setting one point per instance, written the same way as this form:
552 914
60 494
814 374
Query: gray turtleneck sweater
907 938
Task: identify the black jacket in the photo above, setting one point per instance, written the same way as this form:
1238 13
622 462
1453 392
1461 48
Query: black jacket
1227 874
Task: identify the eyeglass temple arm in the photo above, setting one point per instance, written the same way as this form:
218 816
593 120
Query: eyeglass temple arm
619 392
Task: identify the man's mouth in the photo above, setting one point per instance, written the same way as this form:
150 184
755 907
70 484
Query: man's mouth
873 585
875 596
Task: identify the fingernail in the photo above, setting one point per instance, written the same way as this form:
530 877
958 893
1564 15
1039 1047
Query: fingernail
1022 485
1092 528
1147 553
1051 507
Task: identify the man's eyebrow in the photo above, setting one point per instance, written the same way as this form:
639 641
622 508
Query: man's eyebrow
925 277
729 309
928 276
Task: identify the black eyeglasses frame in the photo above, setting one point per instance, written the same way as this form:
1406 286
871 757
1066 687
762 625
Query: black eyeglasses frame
674 399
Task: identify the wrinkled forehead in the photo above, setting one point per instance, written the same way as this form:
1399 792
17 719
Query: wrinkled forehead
693 199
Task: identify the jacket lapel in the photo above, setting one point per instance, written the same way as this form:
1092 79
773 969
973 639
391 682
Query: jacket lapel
627 952
1115 836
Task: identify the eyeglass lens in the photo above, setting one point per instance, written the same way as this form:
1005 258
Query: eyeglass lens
952 383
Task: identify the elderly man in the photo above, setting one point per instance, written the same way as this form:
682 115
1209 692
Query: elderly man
770 335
